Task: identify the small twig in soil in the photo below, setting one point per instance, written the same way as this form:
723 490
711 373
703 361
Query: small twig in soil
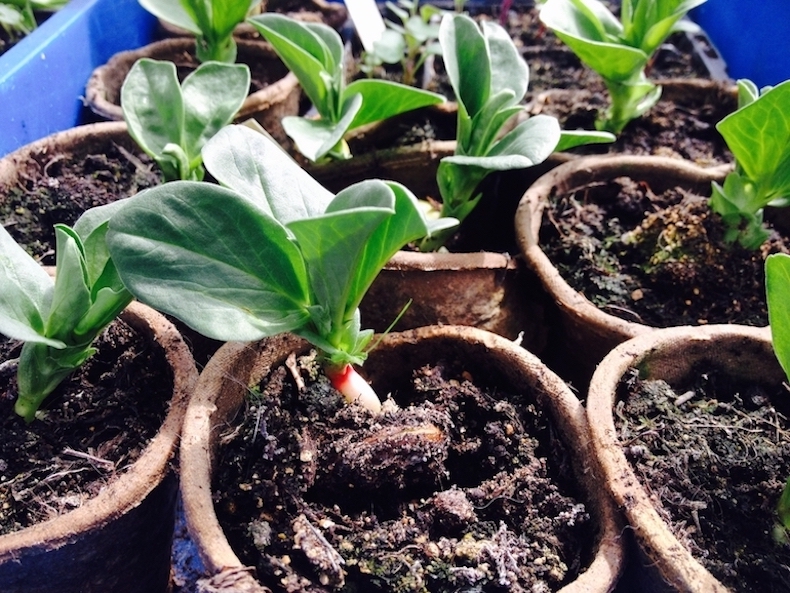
105 463
292 366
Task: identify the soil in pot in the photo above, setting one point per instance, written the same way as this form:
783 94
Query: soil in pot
457 487
92 427
714 455
55 187
655 258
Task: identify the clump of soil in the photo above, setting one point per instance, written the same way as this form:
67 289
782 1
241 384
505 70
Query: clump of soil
657 259
58 188
92 427
454 488
715 455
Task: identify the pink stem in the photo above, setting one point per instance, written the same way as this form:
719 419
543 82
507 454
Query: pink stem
353 387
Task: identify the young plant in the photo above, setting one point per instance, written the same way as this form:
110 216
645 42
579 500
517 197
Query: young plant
314 53
408 43
172 122
618 50
269 251
490 79
777 288
758 134
210 21
58 320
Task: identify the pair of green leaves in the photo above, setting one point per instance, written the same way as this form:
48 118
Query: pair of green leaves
758 134
58 320
490 80
211 21
269 251
314 53
172 122
618 50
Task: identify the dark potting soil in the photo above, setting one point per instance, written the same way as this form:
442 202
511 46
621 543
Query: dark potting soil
656 259
456 489
58 188
714 454
87 432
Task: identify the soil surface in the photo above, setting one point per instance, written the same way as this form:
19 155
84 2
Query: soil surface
656 259
92 427
453 488
58 188
715 454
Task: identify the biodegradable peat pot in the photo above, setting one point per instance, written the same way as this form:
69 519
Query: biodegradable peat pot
585 332
223 390
679 356
119 540
277 95
479 283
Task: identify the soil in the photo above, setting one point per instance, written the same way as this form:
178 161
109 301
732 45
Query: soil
58 188
92 427
453 488
715 455
656 259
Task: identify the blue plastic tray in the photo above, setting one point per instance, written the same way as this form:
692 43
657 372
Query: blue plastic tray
752 37
43 77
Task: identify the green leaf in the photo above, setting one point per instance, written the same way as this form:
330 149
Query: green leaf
212 258
333 244
71 298
759 137
391 236
466 59
509 71
777 288
573 138
171 12
246 162
26 296
153 106
315 138
308 56
212 95
382 99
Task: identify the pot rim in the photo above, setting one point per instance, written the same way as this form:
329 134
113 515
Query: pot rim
236 365
673 561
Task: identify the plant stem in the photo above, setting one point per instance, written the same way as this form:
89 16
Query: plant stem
354 388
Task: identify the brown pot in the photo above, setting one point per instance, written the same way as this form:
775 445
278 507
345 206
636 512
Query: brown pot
585 333
487 288
279 97
120 540
669 354
221 391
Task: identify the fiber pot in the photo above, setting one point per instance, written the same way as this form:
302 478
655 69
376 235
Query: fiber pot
223 389
678 355
119 540
584 332
278 94
478 282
